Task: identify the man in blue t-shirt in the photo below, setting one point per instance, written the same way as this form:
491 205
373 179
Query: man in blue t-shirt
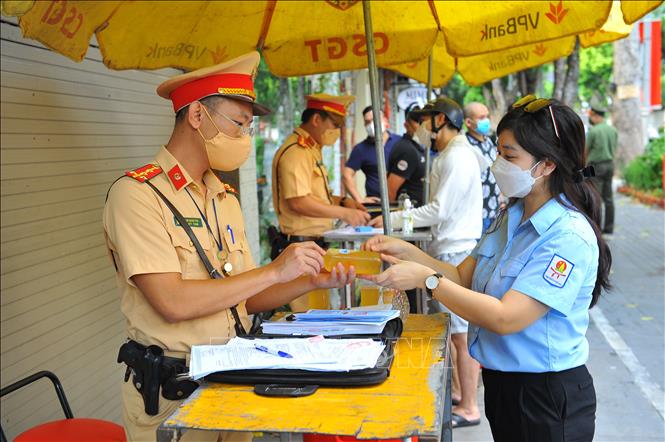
363 157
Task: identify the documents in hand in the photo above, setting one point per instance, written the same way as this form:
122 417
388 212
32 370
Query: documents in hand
331 323
313 354
351 231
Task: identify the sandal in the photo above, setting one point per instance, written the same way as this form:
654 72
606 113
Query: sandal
460 421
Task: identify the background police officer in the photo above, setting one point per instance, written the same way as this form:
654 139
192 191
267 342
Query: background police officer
304 204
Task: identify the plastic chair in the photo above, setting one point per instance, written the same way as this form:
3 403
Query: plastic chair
68 429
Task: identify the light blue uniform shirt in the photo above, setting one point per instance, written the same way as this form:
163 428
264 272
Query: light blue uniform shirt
551 257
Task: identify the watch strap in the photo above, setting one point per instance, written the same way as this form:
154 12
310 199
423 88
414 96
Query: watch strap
427 289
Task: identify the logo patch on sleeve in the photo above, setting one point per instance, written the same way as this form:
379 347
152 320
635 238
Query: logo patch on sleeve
402 165
558 271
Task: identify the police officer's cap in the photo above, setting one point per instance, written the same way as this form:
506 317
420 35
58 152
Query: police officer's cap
233 79
446 106
335 105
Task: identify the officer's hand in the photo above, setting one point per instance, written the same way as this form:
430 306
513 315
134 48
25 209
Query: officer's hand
390 246
337 278
401 275
304 258
355 217
371 200
376 222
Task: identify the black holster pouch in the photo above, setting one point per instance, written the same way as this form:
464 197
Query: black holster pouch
152 370
278 242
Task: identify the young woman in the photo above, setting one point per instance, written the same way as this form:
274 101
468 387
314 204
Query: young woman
527 286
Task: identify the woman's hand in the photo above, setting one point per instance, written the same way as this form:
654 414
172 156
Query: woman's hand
337 278
401 275
390 246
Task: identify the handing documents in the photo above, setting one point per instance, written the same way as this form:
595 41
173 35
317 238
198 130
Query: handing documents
331 323
313 354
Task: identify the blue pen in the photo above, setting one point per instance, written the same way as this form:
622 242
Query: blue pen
228 227
281 354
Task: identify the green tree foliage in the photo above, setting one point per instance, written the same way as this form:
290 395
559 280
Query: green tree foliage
456 88
596 71
645 172
267 89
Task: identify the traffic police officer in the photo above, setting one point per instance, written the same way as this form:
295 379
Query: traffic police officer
527 287
302 199
167 295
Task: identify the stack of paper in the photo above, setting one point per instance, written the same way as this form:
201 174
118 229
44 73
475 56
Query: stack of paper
313 354
351 231
332 323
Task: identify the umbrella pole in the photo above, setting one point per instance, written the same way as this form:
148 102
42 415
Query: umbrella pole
376 107
428 149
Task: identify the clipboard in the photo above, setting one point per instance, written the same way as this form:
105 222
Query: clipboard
297 383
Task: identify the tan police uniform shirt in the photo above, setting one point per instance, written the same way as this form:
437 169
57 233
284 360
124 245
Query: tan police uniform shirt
298 170
144 237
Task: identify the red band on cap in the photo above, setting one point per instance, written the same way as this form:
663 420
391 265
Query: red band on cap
224 84
327 106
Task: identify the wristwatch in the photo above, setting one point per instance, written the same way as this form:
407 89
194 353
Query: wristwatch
432 282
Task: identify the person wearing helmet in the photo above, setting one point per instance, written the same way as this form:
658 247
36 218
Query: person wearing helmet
406 164
455 214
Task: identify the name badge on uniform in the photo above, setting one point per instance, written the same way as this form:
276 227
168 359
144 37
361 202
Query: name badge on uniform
192 222
558 271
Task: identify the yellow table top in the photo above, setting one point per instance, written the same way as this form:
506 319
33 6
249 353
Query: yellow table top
408 403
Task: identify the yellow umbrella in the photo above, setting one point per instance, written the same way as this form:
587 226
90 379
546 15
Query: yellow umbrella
478 69
634 10
615 27
296 38
476 27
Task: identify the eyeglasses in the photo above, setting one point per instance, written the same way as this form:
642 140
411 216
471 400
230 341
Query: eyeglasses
244 130
532 104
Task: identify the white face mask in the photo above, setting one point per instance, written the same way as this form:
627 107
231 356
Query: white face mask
513 181
370 130
423 136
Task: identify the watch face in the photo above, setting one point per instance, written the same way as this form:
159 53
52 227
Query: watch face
431 282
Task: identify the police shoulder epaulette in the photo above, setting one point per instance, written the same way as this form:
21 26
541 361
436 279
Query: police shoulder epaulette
306 141
230 189
145 173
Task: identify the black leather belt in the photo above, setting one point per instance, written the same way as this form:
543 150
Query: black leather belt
298 238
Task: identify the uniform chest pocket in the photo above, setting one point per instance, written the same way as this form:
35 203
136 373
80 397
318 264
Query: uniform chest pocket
511 268
484 266
234 241
487 250
233 238
190 262
181 238
320 171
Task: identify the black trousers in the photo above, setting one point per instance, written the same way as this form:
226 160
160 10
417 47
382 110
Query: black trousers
540 407
603 182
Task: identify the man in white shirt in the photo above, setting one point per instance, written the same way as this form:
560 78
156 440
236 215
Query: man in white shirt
455 213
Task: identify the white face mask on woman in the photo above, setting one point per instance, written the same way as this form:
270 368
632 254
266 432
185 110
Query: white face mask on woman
513 181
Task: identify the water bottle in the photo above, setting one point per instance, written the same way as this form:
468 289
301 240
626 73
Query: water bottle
407 217
400 200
